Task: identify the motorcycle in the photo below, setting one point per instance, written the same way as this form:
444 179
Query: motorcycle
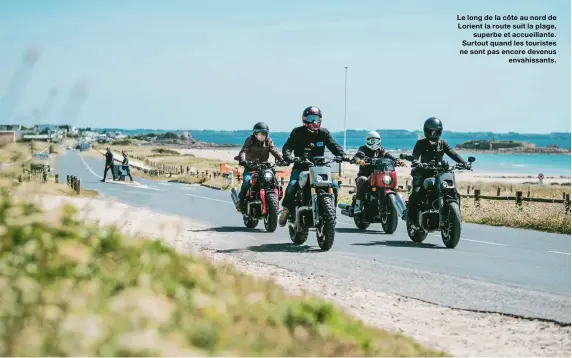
314 203
382 203
261 199
440 204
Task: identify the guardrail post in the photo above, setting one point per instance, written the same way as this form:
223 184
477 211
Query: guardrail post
477 197
20 178
68 180
528 193
567 203
57 178
468 189
78 186
45 177
519 198
498 191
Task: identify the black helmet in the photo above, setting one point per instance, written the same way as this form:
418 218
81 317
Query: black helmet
260 127
433 128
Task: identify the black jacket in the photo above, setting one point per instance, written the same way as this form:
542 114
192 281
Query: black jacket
109 158
301 138
125 161
427 152
365 152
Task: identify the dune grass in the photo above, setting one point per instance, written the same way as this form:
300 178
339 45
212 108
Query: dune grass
74 289
19 182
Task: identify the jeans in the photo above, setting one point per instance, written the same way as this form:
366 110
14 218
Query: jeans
287 201
245 184
416 187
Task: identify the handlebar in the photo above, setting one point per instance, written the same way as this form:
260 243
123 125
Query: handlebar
318 161
372 161
442 166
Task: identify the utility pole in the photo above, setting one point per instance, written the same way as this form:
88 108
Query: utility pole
345 113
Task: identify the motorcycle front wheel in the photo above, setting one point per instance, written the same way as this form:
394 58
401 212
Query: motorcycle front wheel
388 215
271 217
451 231
326 232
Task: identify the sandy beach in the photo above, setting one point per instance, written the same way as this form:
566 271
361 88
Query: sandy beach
350 170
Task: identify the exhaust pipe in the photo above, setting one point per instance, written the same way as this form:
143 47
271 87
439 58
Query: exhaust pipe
299 212
398 204
346 209
421 217
234 196
255 202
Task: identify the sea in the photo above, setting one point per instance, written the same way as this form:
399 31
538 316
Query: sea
403 140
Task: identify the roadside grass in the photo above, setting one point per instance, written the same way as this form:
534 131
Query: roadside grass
32 184
70 288
536 216
19 152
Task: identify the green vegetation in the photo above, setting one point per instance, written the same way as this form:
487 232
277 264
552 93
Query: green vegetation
73 289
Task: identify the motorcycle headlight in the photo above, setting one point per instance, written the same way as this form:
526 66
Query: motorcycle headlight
387 179
445 184
268 176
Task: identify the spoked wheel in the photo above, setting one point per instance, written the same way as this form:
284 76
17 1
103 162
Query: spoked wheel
451 230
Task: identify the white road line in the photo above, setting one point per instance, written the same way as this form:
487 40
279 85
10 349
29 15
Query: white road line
95 174
559 252
477 241
87 166
207 198
485 242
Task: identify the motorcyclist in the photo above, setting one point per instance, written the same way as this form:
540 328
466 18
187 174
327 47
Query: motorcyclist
430 148
371 149
309 135
257 146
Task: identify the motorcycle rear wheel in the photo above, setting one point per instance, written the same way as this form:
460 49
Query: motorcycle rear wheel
416 235
249 222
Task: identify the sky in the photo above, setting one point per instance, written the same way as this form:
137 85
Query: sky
186 64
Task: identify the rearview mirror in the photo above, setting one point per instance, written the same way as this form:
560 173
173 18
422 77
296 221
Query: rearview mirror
472 159
402 156
236 158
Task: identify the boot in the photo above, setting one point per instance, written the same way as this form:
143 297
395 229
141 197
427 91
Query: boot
357 208
283 218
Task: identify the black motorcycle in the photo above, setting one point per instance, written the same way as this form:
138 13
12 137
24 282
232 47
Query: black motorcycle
261 200
439 207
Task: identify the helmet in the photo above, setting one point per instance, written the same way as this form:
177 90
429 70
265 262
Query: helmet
433 128
260 131
373 140
312 118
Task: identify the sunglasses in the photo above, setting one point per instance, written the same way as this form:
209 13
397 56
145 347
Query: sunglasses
313 118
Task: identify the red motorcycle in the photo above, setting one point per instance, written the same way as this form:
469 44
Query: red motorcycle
382 203
261 200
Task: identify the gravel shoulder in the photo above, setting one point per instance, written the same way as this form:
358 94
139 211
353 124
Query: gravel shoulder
461 333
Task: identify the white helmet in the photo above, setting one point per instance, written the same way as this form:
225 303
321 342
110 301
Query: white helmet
373 140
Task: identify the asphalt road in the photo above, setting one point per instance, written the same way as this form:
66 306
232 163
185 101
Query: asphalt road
493 269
